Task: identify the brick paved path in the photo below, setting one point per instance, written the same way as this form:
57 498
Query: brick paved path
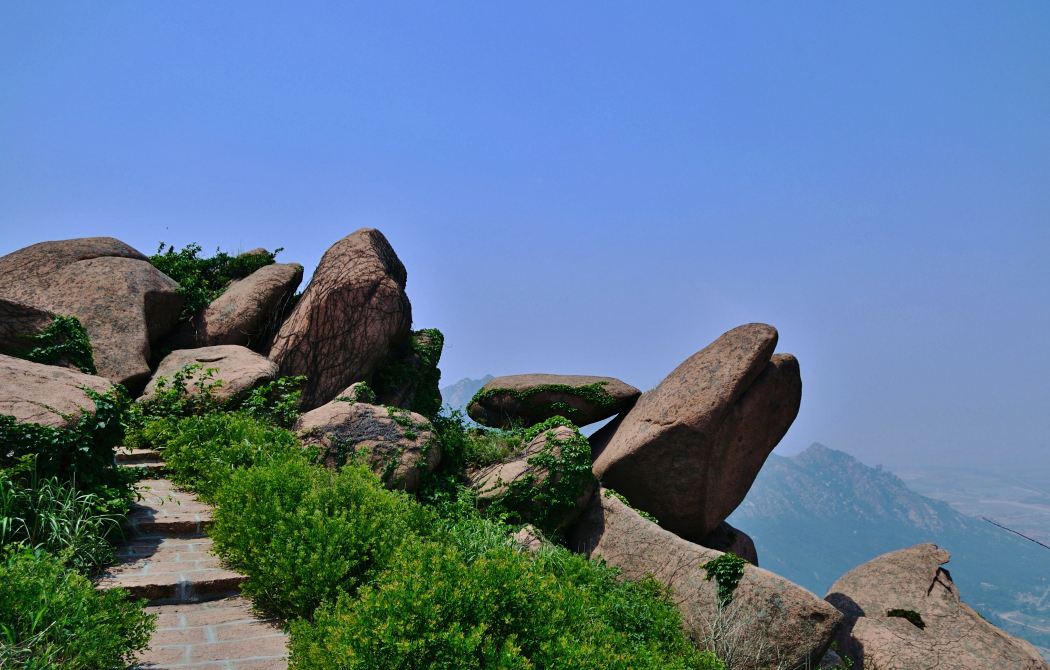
202 623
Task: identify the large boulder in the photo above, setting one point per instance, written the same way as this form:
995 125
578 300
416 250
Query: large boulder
353 313
725 538
903 612
525 400
245 311
397 444
236 369
525 484
769 623
19 323
125 304
689 450
46 394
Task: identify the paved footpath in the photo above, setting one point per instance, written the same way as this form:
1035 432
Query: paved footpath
202 621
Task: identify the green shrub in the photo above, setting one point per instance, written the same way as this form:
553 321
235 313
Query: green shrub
202 280
727 570
304 534
64 341
434 609
276 401
413 367
55 517
52 617
202 452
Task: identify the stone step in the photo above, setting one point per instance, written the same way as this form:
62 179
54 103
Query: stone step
220 634
171 570
152 469
124 455
166 511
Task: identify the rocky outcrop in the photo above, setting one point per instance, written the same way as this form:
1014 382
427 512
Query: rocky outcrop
690 449
529 471
19 323
125 304
903 612
770 621
725 538
46 394
353 313
410 378
244 312
525 400
398 445
236 369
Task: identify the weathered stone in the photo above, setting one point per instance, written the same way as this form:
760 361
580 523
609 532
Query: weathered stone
237 369
46 394
125 304
410 377
725 538
690 449
931 627
352 314
243 313
529 538
493 482
525 400
769 623
19 323
398 445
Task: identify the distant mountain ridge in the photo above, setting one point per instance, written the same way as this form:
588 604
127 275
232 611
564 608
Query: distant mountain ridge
820 513
459 394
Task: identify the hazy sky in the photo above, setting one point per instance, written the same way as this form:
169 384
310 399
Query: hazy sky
595 188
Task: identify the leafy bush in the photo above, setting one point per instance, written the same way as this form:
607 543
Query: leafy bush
276 401
64 341
52 617
203 451
49 515
304 534
727 570
411 373
434 609
202 280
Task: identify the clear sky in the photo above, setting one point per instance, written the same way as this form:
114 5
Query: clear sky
595 188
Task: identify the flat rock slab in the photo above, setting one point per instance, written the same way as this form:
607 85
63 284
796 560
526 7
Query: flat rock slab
169 569
165 510
217 635
525 400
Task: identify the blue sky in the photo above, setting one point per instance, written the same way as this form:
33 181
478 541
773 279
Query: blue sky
596 188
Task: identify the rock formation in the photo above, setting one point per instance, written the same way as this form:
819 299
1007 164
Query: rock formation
903 612
236 369
726 538
770 622
46 394
19 323
410 377
525 400
398 445
690 449
125 304
352 314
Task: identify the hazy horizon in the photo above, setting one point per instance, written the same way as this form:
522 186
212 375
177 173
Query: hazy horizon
598 192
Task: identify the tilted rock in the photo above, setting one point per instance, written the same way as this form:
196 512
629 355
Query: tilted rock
725 538
19 323
493 482
125 304
243 313
770 622
529 538
525 400
689 450
931 627
238 369
46 394
410 377
399 445
352 314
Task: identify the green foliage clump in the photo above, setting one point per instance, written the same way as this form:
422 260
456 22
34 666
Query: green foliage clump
558 475
412 371
276 401
913 617
434 608
609 493
594 394
361 392
202 280
202 452
64 341
52 617
305 534
53 516
727 570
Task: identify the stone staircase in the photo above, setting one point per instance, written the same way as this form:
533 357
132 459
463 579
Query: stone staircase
203 622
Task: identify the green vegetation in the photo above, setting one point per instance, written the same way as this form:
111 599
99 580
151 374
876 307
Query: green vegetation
202 280
913 617
360 392
609 493
52 617
64 341
413 368
276 401
594 394
727 570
